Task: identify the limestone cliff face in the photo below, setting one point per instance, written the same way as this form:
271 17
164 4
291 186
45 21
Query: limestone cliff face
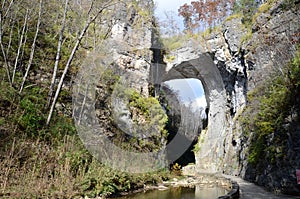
220 65
230 65
132 34
273 45
123 116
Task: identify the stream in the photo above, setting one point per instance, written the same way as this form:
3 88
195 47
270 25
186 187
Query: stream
197 192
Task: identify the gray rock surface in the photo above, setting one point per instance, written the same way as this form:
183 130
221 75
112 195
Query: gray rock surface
241 64
272 46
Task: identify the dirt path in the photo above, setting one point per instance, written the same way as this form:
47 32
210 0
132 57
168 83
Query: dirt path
251 191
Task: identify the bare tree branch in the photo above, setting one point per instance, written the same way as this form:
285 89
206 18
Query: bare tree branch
7 67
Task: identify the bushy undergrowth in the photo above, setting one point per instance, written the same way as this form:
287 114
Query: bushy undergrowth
36 160
39 161
270 106
34 168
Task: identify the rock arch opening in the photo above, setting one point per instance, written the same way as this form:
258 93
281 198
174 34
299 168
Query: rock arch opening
201 67
185 104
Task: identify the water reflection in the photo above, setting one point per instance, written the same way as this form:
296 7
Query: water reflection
197 192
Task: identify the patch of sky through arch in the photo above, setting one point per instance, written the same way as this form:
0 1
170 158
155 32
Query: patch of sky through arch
190 92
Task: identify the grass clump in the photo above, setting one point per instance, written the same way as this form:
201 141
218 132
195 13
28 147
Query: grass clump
176 41
233 16
247 36
34 168
263 8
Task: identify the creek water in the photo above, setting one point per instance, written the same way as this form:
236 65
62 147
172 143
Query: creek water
197 192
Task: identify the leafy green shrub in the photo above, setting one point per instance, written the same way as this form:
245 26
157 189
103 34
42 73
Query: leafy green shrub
32 118
30 121
169 58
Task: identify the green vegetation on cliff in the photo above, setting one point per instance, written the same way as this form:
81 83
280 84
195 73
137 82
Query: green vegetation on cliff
271 107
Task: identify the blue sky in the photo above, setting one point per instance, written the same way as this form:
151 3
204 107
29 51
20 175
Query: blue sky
169 5
190 91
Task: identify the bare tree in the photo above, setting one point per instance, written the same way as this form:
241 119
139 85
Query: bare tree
20 45
3 15
60 40
33 46
89 21
169 24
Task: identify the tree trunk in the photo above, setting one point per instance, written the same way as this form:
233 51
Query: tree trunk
84 30
10 36
3 51
20 46
2 16
60 40
32 47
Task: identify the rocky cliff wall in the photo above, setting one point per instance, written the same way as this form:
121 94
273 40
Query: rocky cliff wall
227 61
119 121
273 45
242 60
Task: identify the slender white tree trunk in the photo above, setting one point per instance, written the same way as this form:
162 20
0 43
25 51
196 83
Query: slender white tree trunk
2 49
32 47
60 40
79 39
10 36
20 46
2 16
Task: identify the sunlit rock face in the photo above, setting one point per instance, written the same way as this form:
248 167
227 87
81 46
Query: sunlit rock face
132 48
220 67
229 65
128 77
228 68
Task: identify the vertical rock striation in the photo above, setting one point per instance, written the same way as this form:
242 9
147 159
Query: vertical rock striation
231 62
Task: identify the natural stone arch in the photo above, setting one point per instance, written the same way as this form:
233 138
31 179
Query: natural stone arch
210 156
202 68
